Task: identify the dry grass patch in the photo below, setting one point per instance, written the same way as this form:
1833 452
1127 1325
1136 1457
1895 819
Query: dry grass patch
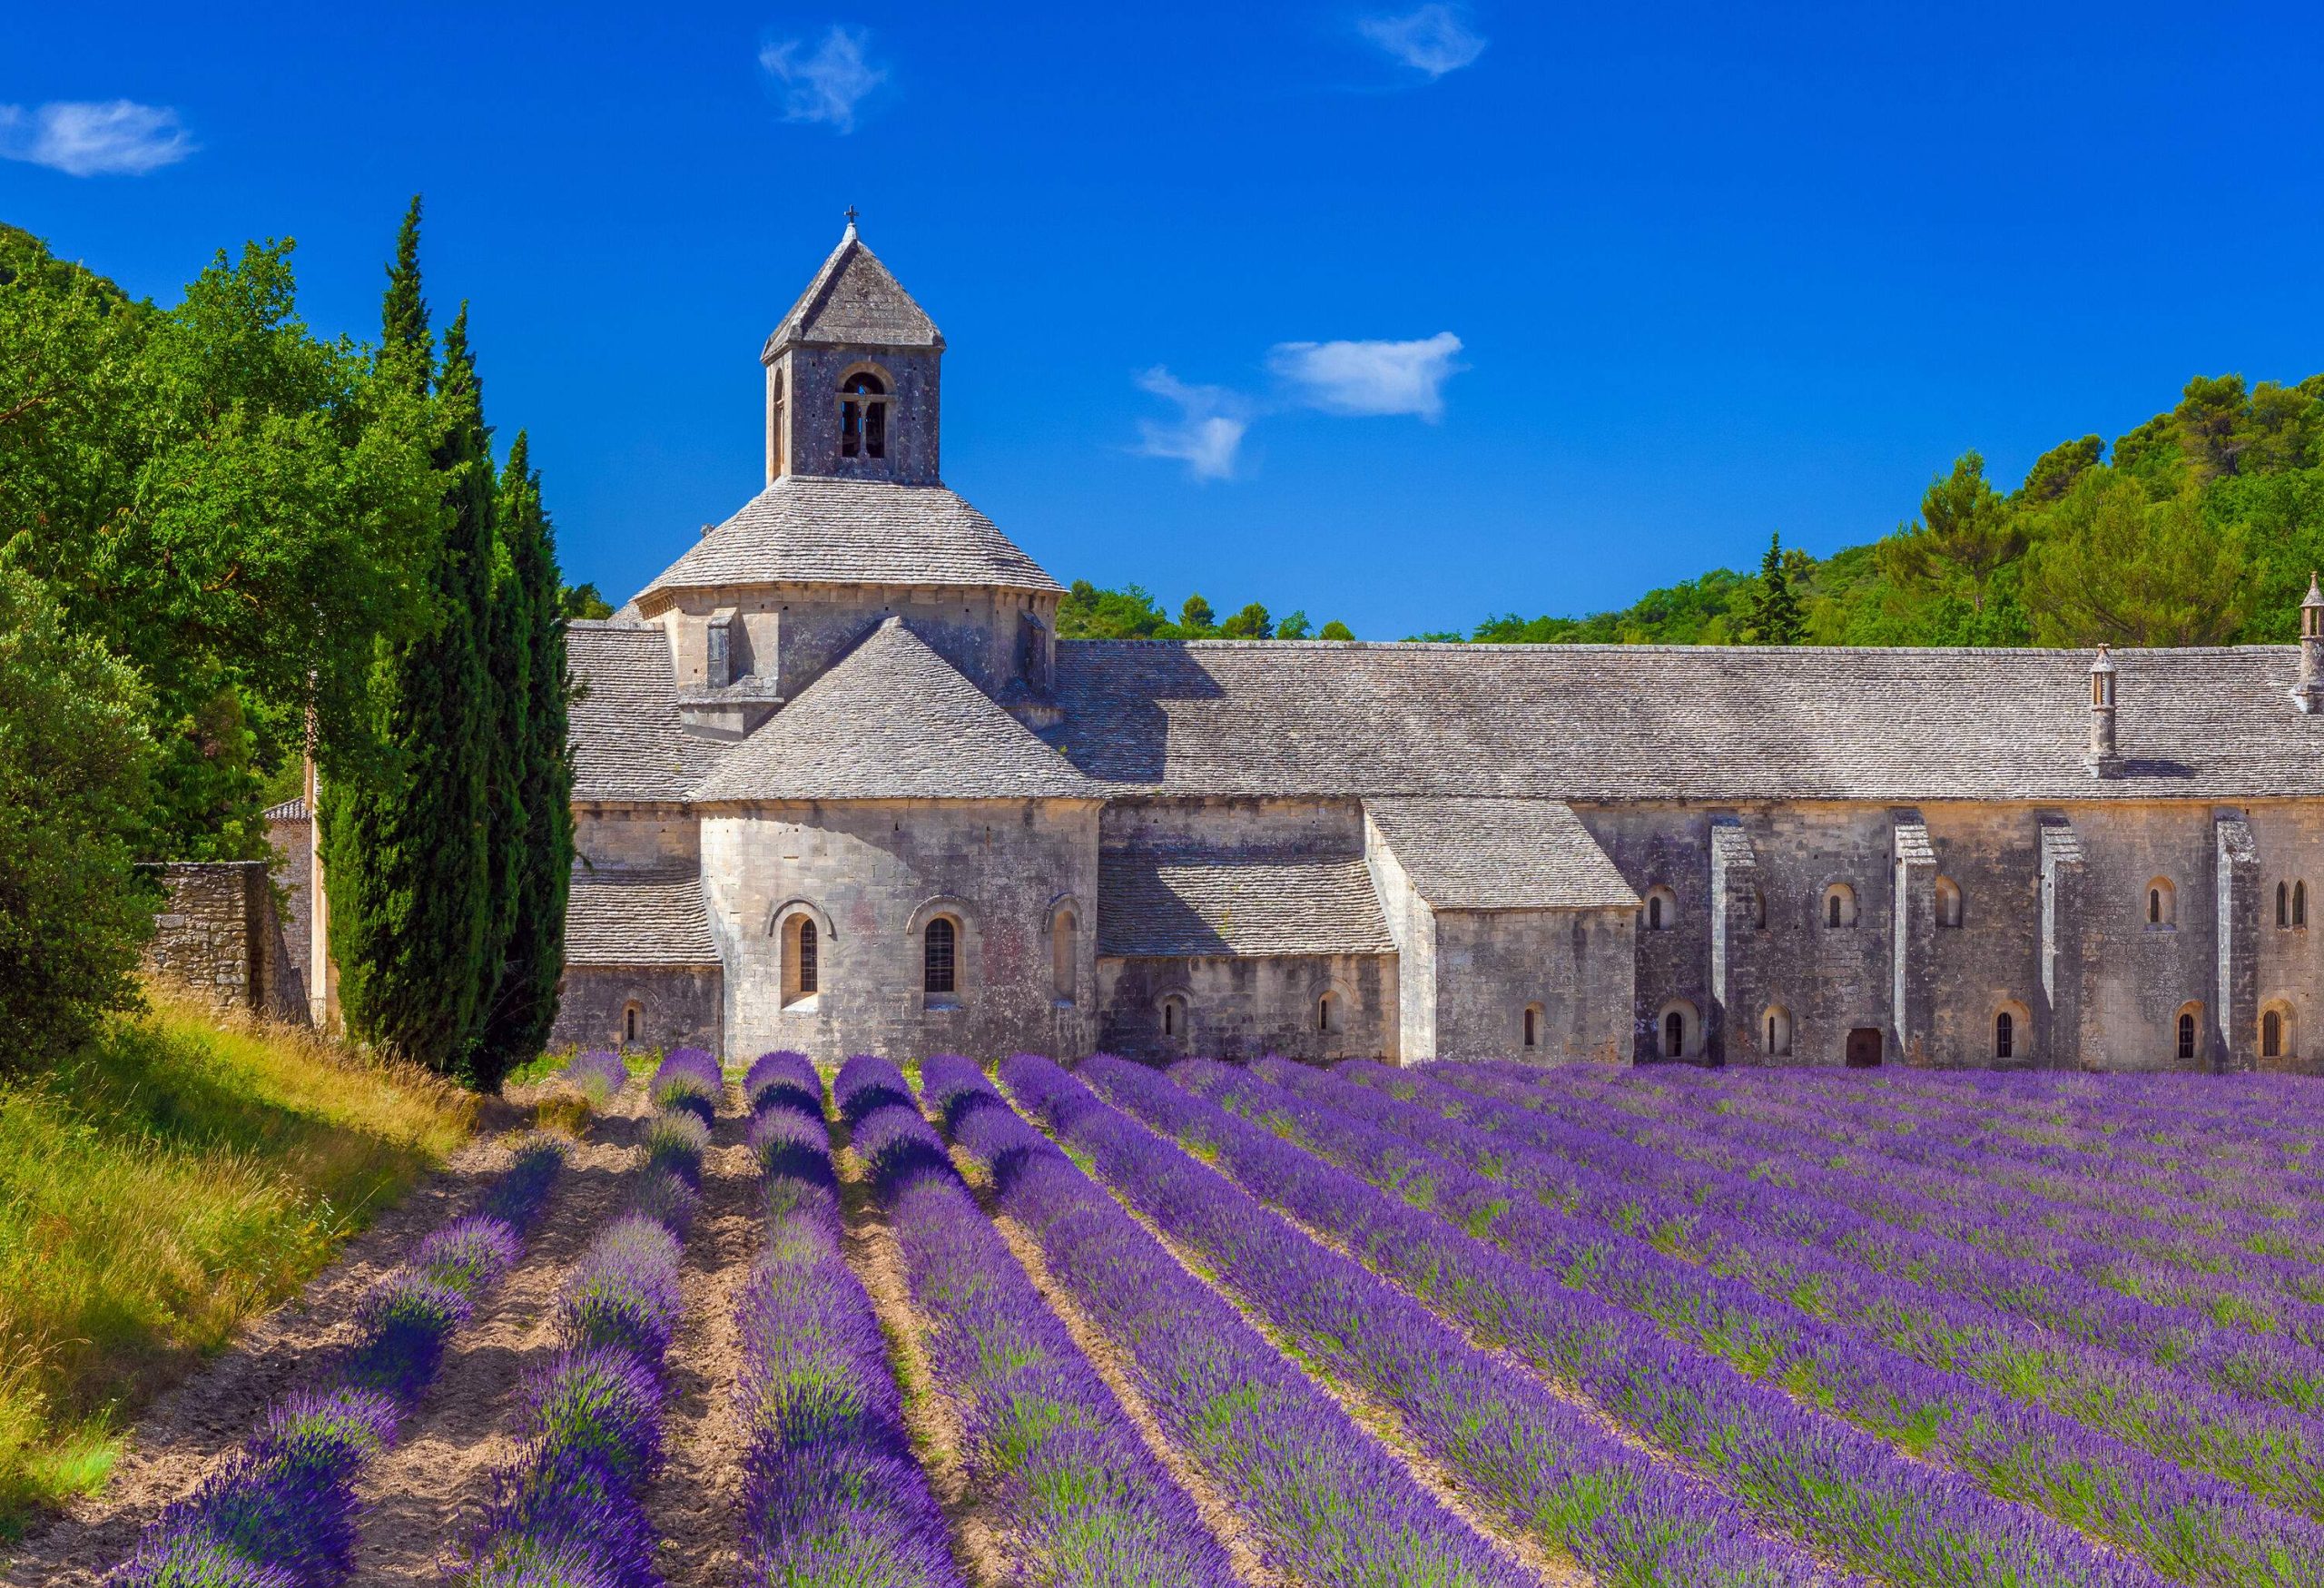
170 1180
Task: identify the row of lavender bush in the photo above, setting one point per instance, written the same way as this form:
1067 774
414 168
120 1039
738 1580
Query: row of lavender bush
569 1512
2191 1528
1861 1219
1082 1500
1617 1186
1542 1468
1844 1491
281 1512
2175 1252
833 1496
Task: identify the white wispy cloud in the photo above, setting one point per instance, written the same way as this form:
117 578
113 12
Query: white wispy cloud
116 137
825 85
1369 377
1207 434
1434 39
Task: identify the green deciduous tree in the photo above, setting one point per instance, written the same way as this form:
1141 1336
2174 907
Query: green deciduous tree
1336 629
76 761
2114 565
584 601
229 505
535 823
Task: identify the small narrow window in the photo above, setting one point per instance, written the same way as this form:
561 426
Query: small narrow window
1323 1013
1174 1020
806 957
1533 1028
1674 1035
1759 909
2300 903
2187 1034
1654 913
938 942
2005 1035
1169 1019
1948 903
1778 1020
2154 906
863 417
1832 911
1064 956
2161 907
2283 903
630 1012
2272 1035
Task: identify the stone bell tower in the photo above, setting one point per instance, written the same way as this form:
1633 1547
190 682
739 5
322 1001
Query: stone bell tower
852 376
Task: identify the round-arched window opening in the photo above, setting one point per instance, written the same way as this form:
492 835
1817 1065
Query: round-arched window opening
1326 1014
633 1016
1065 965
2161 902
2187 1033
2300 903
1530 1028
1948 903
1677 1031
940 957
803 958
1661 910
1774 1025
1839 905
2012 1031
1172 1019
2278 1031
864 416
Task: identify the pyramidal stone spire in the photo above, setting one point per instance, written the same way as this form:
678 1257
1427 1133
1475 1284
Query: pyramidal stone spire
852 376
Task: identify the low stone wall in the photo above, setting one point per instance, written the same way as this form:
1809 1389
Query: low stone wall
218 934
674 1006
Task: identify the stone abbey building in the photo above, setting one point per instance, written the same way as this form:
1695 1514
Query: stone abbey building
840 788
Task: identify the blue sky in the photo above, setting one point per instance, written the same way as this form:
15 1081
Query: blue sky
1399 315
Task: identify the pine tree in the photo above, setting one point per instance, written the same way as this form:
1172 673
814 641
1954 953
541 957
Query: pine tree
1775 617
410 896
529 595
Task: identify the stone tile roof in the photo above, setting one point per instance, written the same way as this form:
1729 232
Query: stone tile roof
1603 722
294 809
1191 902
1500 855
638 918
804 528
892 720
627 741
854 301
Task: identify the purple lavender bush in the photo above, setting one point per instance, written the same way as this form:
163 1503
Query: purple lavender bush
1080 1498
598 1075
831 1493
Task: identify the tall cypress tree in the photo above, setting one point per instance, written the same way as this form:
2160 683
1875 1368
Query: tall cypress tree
410 897
530 664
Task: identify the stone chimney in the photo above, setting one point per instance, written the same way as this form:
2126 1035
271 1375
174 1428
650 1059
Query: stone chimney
2309 693
2104 760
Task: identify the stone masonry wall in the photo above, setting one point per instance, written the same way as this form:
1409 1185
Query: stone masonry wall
870 875
218 934
1249 1006
676 1008
1573 967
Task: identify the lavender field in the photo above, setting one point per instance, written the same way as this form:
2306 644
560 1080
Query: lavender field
1450 1327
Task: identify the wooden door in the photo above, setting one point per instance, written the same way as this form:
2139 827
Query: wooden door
1864 1044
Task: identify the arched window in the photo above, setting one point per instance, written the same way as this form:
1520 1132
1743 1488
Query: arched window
1532 1025
2300 903
1839 905
1654 913
2186 1033
1760 909
2283 903
2161 902
1065 966
802 951
1675 1031
1172 1010
1325 1012
862 416
632 1013
1777 1025
1948 903
940 943
2005 1035
2278 1030
1661 910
